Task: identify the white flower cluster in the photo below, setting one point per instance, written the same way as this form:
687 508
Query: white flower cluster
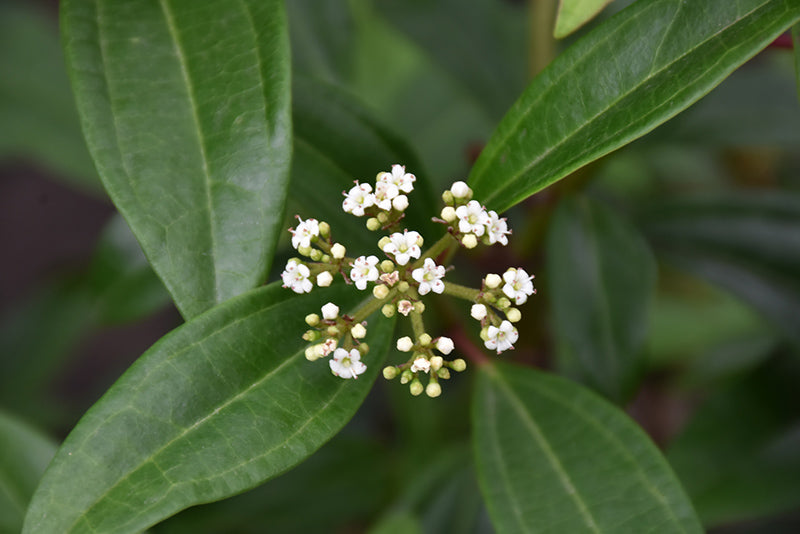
399 281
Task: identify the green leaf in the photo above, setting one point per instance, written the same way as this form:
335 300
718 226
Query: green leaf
600 276
572 14
553 457
185 108
24 454
737 456
218 406
747 243
337 141
630 74
796 43
398 523
316 50
38 119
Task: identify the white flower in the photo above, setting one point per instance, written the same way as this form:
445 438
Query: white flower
459 189
518 285
384 193
497 229
405 307
421 364
347 364
391 278
404 344
429 277
404 181
330 311
358 198
403 246
328 346
445 345
472 218
324 279
364 271
296 277
502 338
478 312
301 237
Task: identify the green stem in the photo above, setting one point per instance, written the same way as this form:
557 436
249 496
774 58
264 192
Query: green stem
462 292
541 44
372 306
417 325
440 246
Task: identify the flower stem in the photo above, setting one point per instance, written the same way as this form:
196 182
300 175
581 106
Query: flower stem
372 306
440 246
417 325
462 292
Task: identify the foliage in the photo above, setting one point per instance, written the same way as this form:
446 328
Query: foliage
667 266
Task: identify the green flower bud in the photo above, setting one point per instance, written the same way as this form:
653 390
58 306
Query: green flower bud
424 340
383 242
513 315
380 291
363 348
419 307
388 310
415 387
316 254
403 286
373 224
443 373
436 363
387 266
324 229
406 376
383 217
305 251
389 372
311 335
433 390
312 319
448 197
458 365
333 331
503 303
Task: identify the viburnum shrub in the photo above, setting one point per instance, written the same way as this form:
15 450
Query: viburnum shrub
636 399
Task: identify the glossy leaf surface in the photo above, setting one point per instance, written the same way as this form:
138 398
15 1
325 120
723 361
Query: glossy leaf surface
553 457
572 14
747 243
601 276
185 108
630 74
24 454
216 407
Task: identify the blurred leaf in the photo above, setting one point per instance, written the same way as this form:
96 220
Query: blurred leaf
623 79
37 113
478 43
338 142
161 439
737 457
553 457
317 50
796 43
342 483
747 243
398 523
457 507
572 14
600 277
186 113
24 454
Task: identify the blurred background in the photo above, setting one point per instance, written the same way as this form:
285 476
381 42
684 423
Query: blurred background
712 194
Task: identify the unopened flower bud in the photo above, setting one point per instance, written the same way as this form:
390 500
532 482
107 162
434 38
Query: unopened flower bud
330 311
460 190
324 229
416 388
383 217
443 373
324 279
404 344
420 241
447 197
424 340
332 331
338 251
316 254
436 363
325 258
433 390
400 202
492 281
449 214
419 307
478 312
389 372
358 331
406 376
503 303
469 241
387 266
485 333
380 291
311 335
403 286
385 240
311 354
513 315
373 224
363 348
445 345
312 319
458 365
305 251
388 310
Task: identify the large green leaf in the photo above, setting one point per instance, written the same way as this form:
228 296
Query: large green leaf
216 407
796 43
553 457
600 277
737 456
24 454
572 14
747 243
37 113
185 107
623 79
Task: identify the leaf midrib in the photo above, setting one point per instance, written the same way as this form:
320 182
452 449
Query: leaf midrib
523 116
